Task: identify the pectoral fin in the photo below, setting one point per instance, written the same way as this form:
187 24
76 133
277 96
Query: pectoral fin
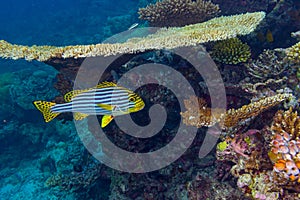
106 107
80 116
106 119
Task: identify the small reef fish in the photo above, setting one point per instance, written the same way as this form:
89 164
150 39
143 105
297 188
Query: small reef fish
267 37
106 99
133 26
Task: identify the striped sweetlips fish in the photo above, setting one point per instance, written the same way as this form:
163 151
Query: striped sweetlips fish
106 99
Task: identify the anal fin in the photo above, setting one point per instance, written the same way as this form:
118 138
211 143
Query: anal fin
80 116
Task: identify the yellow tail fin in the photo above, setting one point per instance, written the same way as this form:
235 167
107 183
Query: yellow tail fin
44 107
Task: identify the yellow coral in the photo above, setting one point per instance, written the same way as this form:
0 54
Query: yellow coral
231 51
221 146
293 53
215 29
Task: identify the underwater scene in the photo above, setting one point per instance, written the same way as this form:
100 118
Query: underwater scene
150 100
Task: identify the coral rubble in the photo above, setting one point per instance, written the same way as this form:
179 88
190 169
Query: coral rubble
215 29
168 13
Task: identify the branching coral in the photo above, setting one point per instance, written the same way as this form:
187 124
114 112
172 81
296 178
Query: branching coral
215 29
268 65
231 51
202 117
235 116
293 53
169 13
232 117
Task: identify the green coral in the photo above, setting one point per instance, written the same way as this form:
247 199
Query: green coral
293 53
222 146
231 51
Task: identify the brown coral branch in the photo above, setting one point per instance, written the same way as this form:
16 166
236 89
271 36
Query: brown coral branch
202 117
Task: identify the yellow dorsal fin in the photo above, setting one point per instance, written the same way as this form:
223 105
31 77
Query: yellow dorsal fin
106 107
106 84
106 119
80 116
70 95
45 108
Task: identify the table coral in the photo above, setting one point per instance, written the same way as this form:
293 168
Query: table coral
215 29
169 13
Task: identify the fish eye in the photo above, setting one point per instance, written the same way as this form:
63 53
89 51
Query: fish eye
131 98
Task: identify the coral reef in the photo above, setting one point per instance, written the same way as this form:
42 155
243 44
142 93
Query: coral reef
285 146
231 51
76 180
168 13
232 117
268 65
29 86
215 29
266 162
237 6
293 53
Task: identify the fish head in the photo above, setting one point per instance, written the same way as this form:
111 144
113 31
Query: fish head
135 102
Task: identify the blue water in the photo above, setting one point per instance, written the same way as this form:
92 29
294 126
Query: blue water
59 22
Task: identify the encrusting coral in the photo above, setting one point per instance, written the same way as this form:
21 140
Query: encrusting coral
168 13
232 117
231 51
215 29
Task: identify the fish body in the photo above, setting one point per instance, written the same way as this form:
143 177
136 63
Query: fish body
106 99
269 36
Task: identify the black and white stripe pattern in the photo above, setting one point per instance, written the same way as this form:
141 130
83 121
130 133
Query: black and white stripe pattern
87 102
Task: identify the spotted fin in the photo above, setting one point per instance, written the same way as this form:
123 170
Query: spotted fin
106 119
45 108
106 84
80 116
70 95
